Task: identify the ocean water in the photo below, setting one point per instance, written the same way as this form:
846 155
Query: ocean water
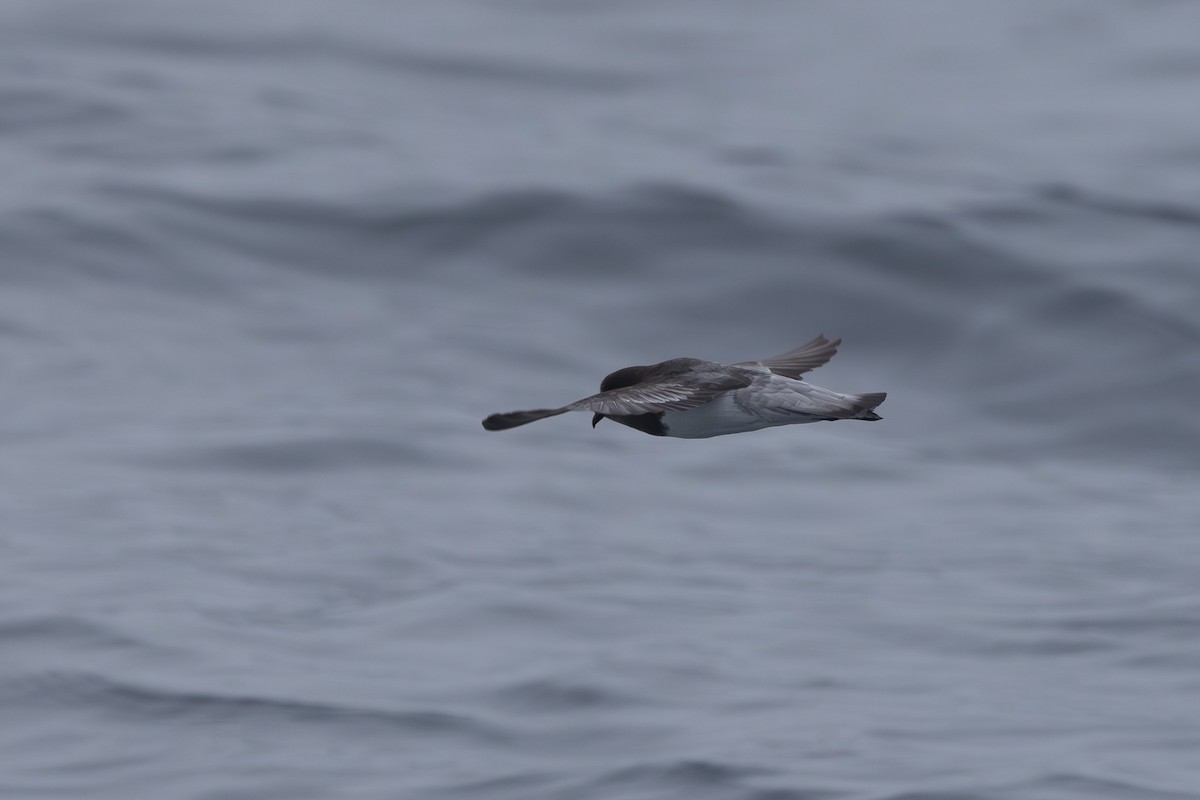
264 267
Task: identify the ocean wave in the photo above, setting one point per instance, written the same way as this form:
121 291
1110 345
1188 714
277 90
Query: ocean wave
551 696
138 701
299 455
62 631
966 327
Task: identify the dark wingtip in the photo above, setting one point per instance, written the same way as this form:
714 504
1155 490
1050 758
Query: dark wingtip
502 422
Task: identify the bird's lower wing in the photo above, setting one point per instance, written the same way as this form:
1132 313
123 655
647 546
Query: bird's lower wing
651 398
642 398
502 422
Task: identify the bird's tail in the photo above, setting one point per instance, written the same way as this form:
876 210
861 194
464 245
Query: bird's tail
502 422
865 405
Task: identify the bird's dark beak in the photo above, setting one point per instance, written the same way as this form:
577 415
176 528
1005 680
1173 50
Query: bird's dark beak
596 419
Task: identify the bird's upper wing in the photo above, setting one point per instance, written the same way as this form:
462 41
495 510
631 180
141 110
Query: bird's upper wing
795 363
687 388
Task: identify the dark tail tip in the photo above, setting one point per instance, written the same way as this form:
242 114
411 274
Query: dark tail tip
502 422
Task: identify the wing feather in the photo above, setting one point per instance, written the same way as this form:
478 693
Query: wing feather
668 394
804 358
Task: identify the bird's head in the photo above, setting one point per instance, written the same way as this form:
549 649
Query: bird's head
619 380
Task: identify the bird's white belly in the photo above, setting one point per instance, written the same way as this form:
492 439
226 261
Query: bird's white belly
771 400
723 415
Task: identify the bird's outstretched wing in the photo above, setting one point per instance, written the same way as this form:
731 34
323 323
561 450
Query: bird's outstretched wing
502 422
667 394
677 386
795 363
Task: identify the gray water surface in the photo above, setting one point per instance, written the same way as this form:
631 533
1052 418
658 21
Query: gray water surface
264 269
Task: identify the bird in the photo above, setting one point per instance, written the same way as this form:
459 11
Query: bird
689 398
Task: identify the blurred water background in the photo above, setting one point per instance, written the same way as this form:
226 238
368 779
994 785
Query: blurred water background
265 266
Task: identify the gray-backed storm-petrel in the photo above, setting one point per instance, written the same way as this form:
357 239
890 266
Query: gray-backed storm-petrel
693 399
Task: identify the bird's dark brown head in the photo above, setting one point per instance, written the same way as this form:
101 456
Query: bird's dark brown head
619 380
622 378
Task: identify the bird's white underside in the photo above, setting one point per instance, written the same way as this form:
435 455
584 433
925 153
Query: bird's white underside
769 401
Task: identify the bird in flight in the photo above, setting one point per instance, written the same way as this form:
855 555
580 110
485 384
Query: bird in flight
690 398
